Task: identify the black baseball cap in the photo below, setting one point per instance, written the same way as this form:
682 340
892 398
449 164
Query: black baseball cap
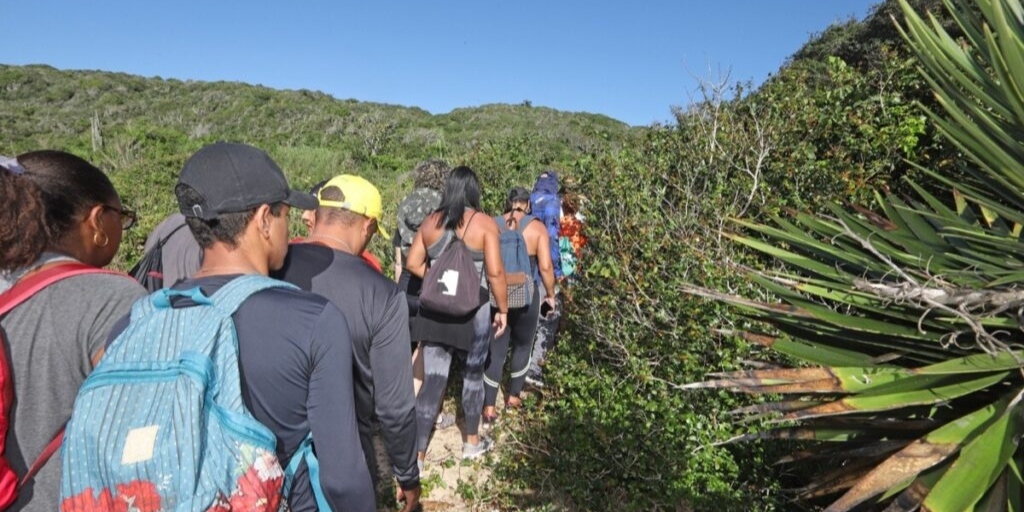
233 178
518 194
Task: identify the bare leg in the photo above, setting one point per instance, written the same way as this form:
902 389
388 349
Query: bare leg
417 369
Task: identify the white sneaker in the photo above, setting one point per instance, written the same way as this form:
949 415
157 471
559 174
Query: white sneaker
470 451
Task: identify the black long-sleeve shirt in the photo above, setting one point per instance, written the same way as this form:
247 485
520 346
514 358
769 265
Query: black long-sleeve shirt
378 320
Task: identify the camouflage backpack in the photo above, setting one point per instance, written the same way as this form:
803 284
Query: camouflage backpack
411 211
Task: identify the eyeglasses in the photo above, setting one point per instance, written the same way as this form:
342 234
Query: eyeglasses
128 217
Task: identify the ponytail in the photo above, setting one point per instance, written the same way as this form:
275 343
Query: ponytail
23 234
512 222
517 196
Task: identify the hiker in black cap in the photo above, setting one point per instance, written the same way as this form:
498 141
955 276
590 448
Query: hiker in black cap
294 349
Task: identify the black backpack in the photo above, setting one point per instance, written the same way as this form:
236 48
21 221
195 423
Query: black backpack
149 270
451 285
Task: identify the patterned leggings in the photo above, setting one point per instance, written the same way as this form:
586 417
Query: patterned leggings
547 336
437 359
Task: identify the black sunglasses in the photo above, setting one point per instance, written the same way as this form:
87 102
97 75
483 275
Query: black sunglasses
128 217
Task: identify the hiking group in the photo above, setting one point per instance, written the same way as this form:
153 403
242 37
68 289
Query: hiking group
241 368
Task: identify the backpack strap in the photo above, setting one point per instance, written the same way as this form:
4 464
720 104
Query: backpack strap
26 287
525 221
44 456
500 221
233 294
455 235
466 228
163 241
158 274
228 298
305 453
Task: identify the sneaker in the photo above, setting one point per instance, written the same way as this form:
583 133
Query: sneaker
470 451
536 382
444 420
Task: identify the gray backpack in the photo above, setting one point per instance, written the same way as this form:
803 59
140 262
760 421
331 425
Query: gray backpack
518 269
451 285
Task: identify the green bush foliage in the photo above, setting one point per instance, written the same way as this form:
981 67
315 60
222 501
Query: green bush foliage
611 426
611 431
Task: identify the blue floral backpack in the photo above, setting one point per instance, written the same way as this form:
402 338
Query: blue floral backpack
160 423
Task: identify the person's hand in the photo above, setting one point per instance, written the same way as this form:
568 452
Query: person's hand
411 499
500 320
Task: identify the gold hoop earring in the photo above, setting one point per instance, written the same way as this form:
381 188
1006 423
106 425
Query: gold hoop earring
95 239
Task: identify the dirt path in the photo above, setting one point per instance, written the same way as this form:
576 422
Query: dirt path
448 479
449 483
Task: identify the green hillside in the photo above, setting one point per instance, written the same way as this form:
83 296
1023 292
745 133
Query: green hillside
141 130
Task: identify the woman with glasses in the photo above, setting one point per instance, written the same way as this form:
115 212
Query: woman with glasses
60 217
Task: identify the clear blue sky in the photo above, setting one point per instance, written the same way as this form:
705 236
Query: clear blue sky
631 60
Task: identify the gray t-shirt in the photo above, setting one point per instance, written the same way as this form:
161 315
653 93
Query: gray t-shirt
52 338
181 255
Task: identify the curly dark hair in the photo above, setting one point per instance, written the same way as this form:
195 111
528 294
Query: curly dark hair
23 235
431 174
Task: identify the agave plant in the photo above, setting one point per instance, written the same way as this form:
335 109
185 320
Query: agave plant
909 316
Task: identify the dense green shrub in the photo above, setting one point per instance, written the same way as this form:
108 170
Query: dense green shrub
612 427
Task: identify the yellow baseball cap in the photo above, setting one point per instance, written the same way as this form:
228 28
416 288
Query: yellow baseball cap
360 196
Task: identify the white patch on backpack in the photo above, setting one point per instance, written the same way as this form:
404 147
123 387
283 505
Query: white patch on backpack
450 280
138 446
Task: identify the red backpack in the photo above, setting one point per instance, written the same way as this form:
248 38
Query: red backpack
12 298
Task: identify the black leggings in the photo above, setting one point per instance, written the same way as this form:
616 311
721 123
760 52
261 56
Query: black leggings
411 285
522 325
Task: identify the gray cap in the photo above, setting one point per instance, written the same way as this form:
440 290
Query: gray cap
233 178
